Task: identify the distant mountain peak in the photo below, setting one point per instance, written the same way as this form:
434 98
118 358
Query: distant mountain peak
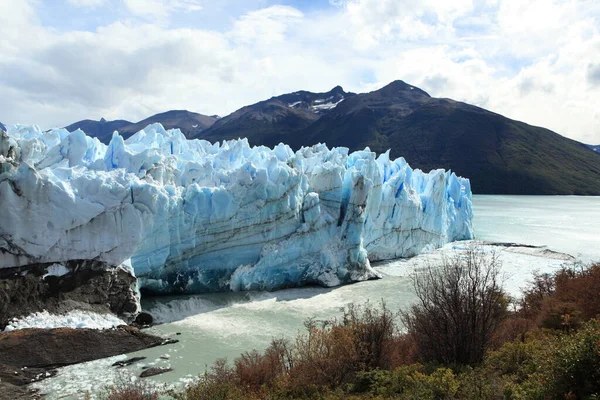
102 120
399 86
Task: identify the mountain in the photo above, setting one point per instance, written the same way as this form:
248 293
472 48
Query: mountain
189 122
271 121
497 154
596 148
2 127
102 129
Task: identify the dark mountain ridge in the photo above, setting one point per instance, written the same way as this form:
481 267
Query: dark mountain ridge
189 122
102 129
269 122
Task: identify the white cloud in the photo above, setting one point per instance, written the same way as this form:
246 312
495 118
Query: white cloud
537 61
161 8
86 3
266 26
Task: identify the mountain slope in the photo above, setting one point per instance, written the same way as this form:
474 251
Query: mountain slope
271 121
497 154
596 148
102 129
190 123
2 127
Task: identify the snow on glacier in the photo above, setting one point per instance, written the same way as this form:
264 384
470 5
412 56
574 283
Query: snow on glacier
194 216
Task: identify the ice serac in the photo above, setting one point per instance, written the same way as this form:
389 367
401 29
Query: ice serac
194 216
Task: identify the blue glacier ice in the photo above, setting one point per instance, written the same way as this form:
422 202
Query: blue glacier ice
192 216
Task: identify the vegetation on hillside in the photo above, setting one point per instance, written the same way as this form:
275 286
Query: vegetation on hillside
463 339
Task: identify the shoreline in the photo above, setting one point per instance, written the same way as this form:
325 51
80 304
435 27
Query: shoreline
23 361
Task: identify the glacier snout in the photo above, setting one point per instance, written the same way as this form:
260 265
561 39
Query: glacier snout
195 217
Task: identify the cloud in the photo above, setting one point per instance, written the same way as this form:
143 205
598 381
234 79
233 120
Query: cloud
265 26
86 3
436 83
593 74
535 61
160 9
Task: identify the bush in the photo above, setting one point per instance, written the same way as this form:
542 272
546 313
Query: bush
332 352
218 384
409 382
327 356
551 365
130 390
564 300
461 305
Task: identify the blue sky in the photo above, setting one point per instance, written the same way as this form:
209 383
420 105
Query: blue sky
65 60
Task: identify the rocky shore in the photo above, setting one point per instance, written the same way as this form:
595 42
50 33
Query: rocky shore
30 355
87 285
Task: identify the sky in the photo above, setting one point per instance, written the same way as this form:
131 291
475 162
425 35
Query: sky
61 61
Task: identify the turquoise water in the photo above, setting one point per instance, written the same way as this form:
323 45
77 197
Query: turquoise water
226 324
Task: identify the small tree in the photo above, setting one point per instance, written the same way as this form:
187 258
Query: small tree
461 304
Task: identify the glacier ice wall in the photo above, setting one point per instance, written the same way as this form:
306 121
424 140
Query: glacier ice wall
199 217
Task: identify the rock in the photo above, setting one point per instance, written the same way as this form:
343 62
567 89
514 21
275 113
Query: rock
154 371
13 381
127 362
88 285
64 346
144 319
169 341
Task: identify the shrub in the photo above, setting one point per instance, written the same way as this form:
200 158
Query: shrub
564 300
327 356
217 384
551 365
130 390
461 304
409 382
331 353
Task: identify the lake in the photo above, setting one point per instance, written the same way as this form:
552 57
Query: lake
226 324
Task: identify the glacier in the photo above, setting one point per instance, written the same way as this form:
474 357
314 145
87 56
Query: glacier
191 216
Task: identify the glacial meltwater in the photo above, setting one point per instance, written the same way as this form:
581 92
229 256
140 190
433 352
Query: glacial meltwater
225 324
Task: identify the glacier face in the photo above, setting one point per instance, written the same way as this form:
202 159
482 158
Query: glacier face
195 217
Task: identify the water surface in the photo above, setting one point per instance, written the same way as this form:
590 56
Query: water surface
569 224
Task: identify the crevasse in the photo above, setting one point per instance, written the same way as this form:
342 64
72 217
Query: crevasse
194 216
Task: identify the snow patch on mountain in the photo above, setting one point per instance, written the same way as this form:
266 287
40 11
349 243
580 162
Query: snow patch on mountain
321 105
